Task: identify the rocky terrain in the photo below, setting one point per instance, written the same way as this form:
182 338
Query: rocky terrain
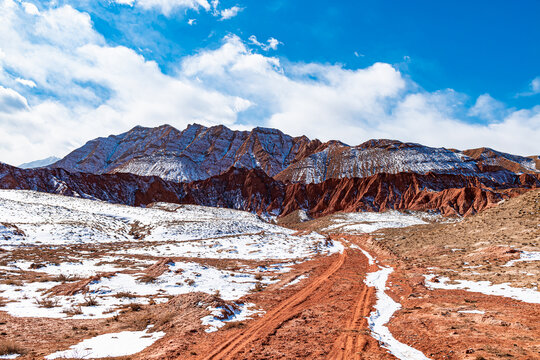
195 153
253 190
198 153
210 243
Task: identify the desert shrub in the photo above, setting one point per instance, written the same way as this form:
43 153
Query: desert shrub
258 287
9 347
124 294
147 279
72 311
89 300
135 307
47 302
233 325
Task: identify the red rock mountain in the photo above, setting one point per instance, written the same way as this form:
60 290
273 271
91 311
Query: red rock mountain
253 190
198 153
336 161
195 153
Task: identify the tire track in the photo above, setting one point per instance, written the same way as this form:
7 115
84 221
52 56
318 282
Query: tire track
276 316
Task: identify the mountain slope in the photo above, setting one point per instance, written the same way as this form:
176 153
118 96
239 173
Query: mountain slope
196 153
338 161
254 191
39 163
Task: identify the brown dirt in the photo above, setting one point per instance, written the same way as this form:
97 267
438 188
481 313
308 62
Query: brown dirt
300 321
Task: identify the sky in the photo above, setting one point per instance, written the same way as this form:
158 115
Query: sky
461 74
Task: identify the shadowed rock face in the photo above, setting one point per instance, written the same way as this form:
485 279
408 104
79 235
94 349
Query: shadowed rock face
196 153
253 190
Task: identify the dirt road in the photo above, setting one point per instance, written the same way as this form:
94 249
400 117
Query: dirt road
283 311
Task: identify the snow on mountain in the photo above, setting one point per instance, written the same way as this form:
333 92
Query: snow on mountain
195 153
378 156
198 153
39 163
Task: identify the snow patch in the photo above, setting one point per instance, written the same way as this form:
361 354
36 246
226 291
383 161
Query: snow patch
238 312
485 287
525 256
385 307
110 345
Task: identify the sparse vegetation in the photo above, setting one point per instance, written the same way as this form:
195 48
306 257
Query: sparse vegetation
147 279
124 294
10 347
90 300
72 311
47 302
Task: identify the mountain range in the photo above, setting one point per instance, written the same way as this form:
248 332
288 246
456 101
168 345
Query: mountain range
271 173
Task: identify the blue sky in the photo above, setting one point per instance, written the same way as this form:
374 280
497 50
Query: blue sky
458 74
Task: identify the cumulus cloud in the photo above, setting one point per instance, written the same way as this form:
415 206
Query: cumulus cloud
88 88
11 101
167 7
230 12
534 88
488 108
271 43
92 89
535 85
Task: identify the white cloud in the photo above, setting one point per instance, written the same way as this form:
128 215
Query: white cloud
26 82
230 12
11 101
167 7
30 8
94 89
271 43
487 108
192 21
535 85
534 88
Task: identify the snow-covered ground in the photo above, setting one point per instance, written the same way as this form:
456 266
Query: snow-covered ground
485 287
33 218
239 312
134 239
525 256
385 307
366 222
109 345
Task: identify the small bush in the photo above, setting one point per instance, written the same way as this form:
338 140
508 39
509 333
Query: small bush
47 303
90 300
135 307
124 294
147 279
258 287
234 325
72 311
9 347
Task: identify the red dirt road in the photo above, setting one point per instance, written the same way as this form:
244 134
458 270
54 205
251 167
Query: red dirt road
334 304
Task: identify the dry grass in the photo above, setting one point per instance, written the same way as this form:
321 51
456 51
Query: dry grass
47 302
124 294
89 300
147 279
72 311
10 347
